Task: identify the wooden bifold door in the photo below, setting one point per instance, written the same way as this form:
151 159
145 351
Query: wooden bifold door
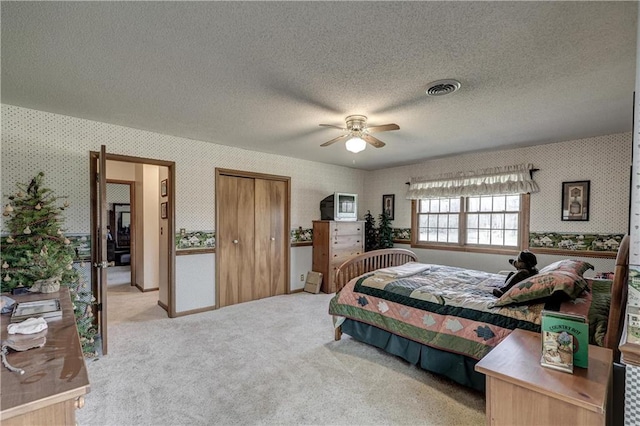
252 237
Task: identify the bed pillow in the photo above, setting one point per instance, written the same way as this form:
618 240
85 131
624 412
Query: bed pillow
562 284
578 267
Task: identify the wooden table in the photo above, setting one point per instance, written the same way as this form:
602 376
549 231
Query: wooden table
522 392
55 377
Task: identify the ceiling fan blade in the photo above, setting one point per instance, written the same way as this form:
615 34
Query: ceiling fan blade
335 127
383 128
373 141
334 140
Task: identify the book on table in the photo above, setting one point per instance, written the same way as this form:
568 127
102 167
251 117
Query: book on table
47 309
566 328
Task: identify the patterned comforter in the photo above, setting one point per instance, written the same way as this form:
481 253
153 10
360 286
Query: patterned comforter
442 306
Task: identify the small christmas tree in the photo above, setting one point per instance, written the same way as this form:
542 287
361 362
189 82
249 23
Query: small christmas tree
370 232
36 249
385 234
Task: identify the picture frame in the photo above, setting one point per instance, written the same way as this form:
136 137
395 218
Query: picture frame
163 188
575 200
163 210
389 205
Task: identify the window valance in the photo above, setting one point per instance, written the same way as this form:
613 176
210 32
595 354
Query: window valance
499 180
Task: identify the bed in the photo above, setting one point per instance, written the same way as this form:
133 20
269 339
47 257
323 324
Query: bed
445 319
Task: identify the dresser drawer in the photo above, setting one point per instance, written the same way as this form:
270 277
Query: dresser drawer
339 258
347 241
347 228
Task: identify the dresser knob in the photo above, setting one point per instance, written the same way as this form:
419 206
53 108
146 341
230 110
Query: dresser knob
79 402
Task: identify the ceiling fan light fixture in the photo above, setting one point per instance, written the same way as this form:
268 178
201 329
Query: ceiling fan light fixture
355 144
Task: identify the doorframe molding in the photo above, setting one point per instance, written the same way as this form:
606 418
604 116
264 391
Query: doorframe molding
171 246
287 219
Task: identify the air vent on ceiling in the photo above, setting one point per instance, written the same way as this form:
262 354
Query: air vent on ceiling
443 87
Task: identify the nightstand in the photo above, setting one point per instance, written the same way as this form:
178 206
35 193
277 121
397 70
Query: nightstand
522 392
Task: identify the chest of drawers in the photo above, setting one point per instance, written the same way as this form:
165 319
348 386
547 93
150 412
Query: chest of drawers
333 243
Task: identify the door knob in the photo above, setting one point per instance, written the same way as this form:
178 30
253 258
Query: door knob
235 241
273 238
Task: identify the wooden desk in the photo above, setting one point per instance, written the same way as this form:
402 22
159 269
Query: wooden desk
522 392
55 377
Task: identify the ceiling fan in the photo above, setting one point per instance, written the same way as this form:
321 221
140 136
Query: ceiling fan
359 134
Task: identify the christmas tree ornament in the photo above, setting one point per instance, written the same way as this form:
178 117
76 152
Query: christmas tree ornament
8 208
59 232
19 194
27 230
69 266
38 206
44 251
67 241
10 239
5 265
7 278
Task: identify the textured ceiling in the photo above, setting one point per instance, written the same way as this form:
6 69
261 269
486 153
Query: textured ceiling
263 75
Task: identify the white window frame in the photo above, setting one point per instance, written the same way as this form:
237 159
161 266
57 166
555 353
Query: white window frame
462 245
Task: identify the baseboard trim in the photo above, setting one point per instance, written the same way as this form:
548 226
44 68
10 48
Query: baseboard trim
193 311
299 290
163 306
146 290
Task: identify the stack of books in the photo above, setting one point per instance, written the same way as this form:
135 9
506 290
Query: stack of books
565 341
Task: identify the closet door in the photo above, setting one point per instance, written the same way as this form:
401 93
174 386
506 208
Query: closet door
270 276
235 239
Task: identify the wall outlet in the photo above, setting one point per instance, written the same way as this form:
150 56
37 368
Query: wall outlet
301 277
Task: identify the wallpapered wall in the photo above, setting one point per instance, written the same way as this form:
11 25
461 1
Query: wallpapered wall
27 134
117 193
35 141
603 160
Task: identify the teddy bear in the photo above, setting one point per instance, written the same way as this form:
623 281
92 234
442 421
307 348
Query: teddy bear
525 264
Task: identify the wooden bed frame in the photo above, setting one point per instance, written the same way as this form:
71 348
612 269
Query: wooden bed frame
370 261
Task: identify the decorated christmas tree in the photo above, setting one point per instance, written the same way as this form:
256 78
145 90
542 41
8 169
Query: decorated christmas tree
37 254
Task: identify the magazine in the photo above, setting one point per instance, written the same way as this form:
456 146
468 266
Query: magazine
573 325
557 351
47 309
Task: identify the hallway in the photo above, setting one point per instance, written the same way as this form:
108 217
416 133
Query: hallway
128 304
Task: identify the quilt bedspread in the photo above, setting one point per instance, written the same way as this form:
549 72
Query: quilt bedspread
443 307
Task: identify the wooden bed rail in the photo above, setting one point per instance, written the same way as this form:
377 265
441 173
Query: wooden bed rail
370 261
618 305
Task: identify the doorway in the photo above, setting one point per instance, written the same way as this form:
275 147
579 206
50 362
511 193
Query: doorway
120 238
140 243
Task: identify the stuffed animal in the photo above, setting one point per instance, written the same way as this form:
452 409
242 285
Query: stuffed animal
525 264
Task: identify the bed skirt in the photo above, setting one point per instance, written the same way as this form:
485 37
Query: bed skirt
456 367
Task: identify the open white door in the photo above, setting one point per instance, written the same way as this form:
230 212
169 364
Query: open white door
99 240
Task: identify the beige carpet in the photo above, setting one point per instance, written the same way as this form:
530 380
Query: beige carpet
272 361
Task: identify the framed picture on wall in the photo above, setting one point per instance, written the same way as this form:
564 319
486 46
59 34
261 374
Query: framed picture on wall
163 188
163 210
575 200
388 205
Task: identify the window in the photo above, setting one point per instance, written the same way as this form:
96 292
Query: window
494 221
